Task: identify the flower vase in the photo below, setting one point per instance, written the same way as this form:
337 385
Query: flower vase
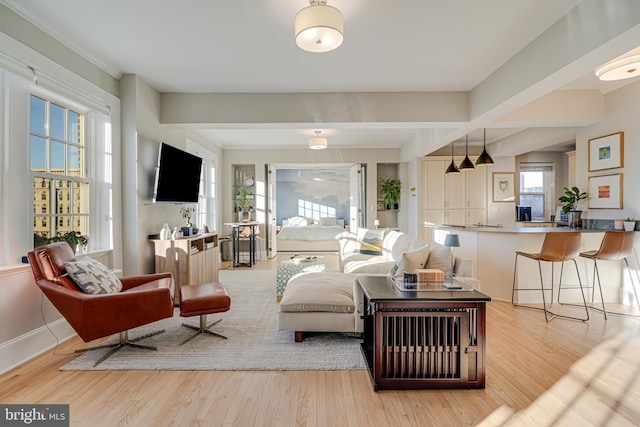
629 225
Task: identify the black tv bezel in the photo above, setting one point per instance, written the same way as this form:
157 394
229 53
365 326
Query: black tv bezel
170 169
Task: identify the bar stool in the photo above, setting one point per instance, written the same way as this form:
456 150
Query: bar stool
615 246
557 247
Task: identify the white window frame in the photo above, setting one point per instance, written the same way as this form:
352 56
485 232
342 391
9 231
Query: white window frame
548 191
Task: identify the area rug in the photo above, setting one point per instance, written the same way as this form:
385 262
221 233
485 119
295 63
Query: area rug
254 342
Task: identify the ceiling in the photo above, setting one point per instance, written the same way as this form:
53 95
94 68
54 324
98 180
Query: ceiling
242 46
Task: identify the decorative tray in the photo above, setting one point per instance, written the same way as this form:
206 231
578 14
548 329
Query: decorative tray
445 285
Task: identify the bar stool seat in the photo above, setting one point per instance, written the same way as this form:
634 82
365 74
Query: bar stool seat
615 246
557 247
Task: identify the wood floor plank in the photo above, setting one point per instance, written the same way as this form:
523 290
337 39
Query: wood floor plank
526 358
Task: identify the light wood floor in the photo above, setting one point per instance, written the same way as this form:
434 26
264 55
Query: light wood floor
525 357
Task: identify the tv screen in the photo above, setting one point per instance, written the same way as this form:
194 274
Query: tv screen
177 176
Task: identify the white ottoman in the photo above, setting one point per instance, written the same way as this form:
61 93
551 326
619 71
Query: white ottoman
321 302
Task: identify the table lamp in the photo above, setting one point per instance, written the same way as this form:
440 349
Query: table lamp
376 223
451 241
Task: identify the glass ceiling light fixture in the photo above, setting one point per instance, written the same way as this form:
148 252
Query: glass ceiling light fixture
318 27
466 164
452 167
318 143
620 69
485 158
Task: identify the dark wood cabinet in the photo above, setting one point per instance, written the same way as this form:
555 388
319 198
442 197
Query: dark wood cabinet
416 340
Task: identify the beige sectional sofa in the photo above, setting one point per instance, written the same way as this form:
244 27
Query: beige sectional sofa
395 246
333 302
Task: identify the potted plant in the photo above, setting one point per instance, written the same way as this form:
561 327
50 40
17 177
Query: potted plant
390 190
571 199
629 224
74 238
186 213
244 203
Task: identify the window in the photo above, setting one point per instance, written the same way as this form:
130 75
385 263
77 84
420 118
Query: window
537 189
57 160
206 211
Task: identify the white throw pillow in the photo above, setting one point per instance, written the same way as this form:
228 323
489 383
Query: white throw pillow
439 258
298 221
93 277
410 261
328 221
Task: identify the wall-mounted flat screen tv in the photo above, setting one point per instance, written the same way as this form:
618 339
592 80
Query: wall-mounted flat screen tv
177 177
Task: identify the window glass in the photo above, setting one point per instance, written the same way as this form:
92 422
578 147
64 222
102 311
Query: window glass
56 121
56 157
37 117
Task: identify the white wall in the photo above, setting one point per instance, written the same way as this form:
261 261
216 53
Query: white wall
622 108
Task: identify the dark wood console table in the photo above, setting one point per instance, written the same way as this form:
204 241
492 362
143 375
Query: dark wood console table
423 339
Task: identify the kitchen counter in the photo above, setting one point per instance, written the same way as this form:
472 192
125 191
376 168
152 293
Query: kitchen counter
492 250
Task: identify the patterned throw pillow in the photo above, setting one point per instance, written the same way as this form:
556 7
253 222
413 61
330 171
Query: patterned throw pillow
369 241
93 277
410 261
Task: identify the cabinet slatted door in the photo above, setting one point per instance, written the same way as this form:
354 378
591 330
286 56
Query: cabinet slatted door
430 345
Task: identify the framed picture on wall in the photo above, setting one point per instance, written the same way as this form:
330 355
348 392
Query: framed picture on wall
606 152
381 206
503 190
605 192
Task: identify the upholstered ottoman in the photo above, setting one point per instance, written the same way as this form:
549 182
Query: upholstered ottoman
321 302
200 300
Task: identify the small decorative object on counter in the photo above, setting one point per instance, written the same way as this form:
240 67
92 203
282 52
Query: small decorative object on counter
176 233
165 232
629 224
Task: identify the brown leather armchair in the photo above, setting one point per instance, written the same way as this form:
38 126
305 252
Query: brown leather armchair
143 299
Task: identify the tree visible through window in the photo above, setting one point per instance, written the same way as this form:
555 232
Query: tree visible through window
57 161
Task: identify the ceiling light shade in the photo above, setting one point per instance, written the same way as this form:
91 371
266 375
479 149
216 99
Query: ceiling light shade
485 158
318 143
619 69
319 28
466 164
452 167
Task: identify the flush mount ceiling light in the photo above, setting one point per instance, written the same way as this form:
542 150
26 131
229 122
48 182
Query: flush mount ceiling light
318 143
318 27
485 158
619 69
466 164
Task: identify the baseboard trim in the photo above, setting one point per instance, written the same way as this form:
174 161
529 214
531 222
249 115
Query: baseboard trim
27 346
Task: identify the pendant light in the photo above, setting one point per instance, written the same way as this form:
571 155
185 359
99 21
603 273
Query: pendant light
452 167
485 158
466 163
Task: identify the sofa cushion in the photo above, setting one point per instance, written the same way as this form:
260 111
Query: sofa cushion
93 277
370 241
439 258
394 244
410 261
379 265
329 292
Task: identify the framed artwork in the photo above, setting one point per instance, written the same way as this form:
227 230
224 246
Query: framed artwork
503 183
381 206
605 192
606 152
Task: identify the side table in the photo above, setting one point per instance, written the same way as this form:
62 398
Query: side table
289 268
